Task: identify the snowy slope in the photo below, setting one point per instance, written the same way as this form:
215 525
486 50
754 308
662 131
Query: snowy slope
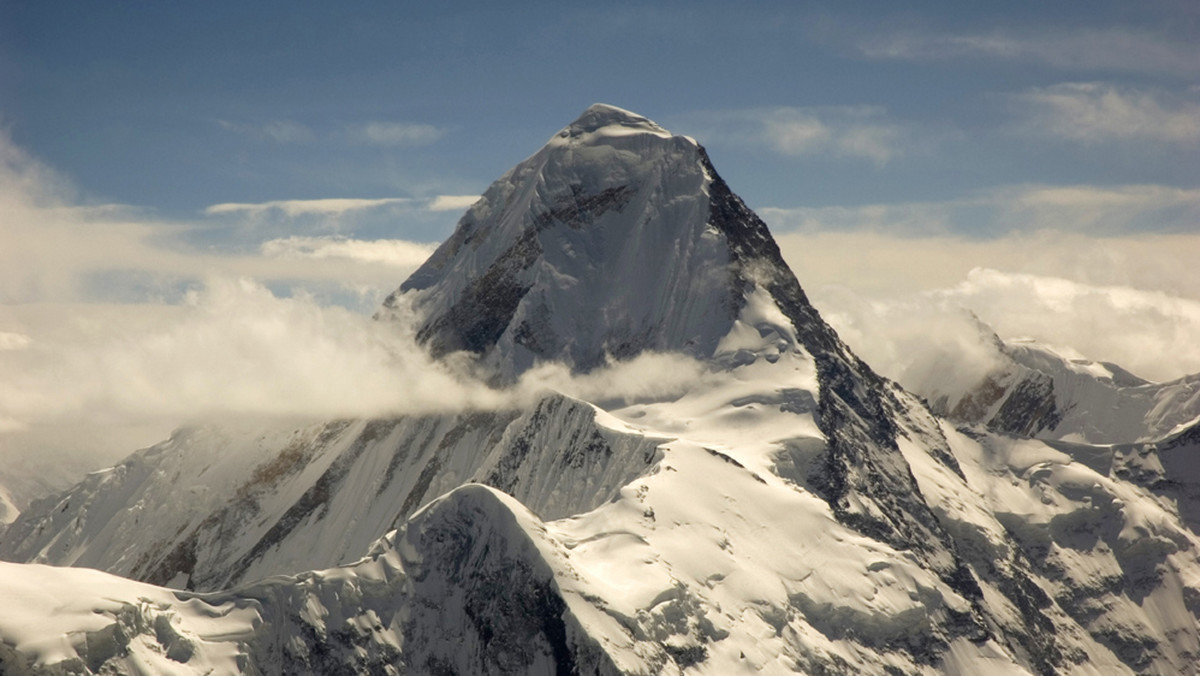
1039 391
792 512
270 500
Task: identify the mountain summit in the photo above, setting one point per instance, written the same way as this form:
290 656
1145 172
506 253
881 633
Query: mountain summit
615 238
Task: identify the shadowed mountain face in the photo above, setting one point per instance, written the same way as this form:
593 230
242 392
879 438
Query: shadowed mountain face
791 512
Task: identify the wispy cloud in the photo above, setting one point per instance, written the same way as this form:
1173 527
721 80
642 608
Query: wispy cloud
1095 112
853 132
56 251
384 133
1111 49
294 208
396 252
376 132
1098 210
452 202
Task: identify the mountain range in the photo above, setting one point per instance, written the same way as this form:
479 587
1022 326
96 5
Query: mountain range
789 511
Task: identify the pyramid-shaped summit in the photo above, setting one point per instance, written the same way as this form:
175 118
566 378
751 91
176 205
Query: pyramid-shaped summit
615 238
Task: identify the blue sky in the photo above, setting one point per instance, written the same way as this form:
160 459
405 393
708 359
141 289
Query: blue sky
168 165
178 106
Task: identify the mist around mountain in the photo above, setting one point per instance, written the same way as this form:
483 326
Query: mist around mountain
644 451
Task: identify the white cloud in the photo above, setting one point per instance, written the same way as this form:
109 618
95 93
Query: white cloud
397 252
1129 300
1113 49
395 133
57 252
380 133
855 132
293 208
938 343
452 202
236 350
12 341
1022 208
1152 333
233 349
929 343
1096 112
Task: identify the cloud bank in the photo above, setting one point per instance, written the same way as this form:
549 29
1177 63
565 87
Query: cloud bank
235 350
936 336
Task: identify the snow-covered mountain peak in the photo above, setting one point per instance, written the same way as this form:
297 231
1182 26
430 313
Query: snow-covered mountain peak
614 239
606 120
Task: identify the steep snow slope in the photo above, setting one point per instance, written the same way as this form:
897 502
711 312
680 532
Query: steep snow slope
264 501
1038 391
792 512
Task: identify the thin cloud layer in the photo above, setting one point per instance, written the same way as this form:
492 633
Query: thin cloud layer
452 202
286 132
294 208
395 133
396 252
1112 49
56 251
1100 211
376 132
1096 112
851 132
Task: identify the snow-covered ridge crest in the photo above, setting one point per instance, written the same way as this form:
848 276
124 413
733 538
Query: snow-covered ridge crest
601 118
